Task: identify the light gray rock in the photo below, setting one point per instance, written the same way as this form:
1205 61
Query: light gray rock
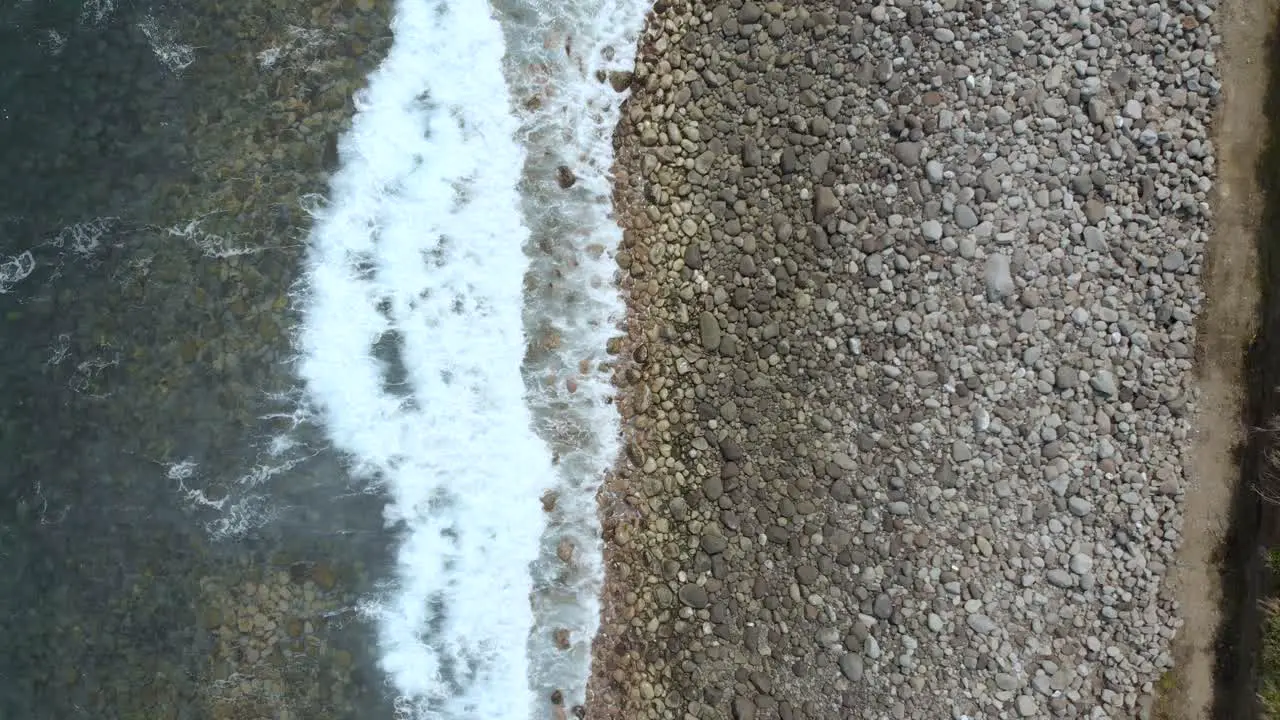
933 172
981 624
1081 564
1104 382
1054 107
1079 506
998 278
1059 578
1173 261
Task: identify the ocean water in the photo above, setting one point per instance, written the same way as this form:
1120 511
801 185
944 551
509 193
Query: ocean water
305 313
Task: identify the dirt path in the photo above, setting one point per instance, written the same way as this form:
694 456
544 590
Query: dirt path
1226 327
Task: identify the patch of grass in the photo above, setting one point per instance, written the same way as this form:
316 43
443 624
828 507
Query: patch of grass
1166 696
1269 656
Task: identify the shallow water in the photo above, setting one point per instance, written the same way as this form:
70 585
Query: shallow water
284 447
140 355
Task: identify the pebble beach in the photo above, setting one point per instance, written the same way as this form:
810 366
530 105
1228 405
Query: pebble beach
794 360
908 385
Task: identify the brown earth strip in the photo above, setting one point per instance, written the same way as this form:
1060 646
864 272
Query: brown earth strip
1226 329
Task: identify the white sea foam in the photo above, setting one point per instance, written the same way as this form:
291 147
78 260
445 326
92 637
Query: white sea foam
413 341
211 244
411 346
15 269
176 56
235 508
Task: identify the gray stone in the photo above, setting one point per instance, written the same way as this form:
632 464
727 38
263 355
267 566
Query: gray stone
871 647
1079 506
965 217
824 203
908 153
851 666
1105 383
883 606
731 450
709 329
1094 212
1054 107
713 486
1097 111
1027 322
1059 578
933 172
714 544
998 278
1094 240
1066 377
695 596
981 624
931 230
1081 564
1173 261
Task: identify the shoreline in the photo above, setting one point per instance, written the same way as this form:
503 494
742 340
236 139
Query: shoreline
824 508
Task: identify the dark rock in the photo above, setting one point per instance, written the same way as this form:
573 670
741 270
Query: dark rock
743 708
731 450
824 203
695 596
620 81
565 177
908 153
713 487
714 544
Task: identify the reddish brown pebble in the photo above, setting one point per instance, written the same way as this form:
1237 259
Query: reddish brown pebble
561 638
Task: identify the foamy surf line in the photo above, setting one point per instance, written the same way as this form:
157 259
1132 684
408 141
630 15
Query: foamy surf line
411 347
561 56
